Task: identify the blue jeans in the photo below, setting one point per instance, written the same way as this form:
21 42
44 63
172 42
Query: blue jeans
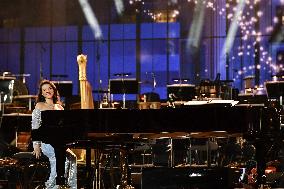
70 167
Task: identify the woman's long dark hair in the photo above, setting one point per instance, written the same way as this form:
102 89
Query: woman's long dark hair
40 97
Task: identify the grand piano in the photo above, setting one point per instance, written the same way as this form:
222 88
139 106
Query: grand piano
185 119
64 127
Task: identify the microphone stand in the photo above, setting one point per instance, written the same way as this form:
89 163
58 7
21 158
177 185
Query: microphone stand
124 92
42 50
1 109
1 103
154 81
98 58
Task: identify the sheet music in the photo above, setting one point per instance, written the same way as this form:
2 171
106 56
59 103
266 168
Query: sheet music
199 102
203 102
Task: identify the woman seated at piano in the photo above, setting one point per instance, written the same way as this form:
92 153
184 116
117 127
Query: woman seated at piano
48 99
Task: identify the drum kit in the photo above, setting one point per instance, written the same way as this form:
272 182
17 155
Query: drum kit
22 170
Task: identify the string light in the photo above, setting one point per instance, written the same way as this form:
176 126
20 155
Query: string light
246 25
246 22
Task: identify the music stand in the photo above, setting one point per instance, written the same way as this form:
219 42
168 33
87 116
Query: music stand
64 88
182 92
275 90
123 86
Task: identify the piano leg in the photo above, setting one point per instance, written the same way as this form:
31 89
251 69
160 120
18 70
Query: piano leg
60 153
89 171
89 175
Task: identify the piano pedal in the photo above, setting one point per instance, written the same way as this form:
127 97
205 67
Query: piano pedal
64 187
124 187
59 187
40 187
